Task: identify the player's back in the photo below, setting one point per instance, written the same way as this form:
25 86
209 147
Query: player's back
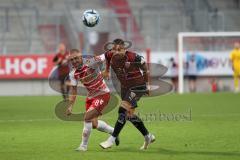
63 68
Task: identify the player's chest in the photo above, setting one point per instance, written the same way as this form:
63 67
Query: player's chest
127 73
85 75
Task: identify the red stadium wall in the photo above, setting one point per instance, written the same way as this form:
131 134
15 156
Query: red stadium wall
25 66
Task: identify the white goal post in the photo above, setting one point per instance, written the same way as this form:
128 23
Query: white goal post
183 35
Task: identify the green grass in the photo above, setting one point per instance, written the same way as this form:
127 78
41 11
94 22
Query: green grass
29 130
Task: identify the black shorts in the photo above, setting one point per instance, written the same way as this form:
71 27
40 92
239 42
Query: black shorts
132 95
174 79
192 77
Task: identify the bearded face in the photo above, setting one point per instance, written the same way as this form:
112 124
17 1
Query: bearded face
118 50
76 60
118 61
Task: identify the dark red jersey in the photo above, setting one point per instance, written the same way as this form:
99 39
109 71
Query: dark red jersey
127 68
61 60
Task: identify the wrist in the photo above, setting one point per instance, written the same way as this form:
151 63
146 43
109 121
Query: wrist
147 85
70 105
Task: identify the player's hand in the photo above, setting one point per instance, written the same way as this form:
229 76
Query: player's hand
68 111
148 89
106 74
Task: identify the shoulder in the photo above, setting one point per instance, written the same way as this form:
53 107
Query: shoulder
133 57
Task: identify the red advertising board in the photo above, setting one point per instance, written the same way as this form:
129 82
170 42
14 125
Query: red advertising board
26 66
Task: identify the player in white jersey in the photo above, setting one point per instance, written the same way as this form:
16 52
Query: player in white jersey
88 73
192 73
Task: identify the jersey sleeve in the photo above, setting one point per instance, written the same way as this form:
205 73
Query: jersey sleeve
95 61
140 62
73 81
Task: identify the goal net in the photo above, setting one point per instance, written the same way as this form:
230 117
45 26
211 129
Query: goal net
210 53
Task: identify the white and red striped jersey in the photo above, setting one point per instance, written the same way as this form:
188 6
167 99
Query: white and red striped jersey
89 74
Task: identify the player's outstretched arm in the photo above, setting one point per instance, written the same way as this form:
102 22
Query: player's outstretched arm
72 99
145 70
143 66
57 60
96 61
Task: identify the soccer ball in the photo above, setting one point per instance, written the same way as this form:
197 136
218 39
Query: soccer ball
90 18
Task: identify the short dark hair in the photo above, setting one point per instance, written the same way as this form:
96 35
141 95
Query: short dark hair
118 41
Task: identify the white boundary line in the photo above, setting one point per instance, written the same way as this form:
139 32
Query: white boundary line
26 120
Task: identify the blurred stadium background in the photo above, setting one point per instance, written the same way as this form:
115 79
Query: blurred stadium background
33 29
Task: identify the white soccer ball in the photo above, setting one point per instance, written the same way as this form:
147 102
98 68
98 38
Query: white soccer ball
90 18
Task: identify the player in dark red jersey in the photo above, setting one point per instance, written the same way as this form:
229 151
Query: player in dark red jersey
131 71
87 72
60 60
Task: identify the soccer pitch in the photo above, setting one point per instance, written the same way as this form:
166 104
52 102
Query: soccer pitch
189 126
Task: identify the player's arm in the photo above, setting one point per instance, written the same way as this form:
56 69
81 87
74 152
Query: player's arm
57 60
95 61
106 72
72 92
72 99
107 62
143 66
145 70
